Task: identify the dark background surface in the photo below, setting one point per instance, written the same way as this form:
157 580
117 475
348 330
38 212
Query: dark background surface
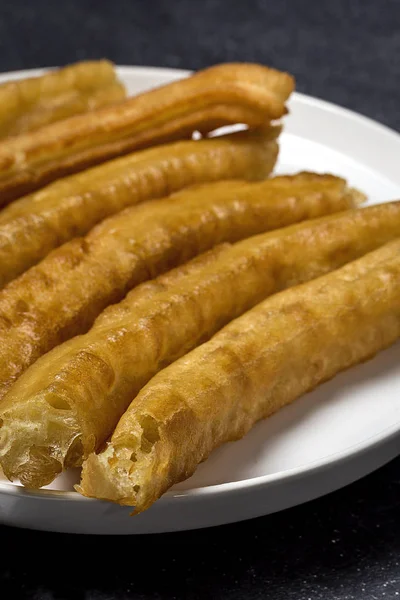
342 547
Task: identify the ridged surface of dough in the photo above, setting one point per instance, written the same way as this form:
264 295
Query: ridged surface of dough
281 349
34 225
224 94
69 401
30 103
62 295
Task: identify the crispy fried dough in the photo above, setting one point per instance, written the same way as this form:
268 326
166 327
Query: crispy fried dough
61 296
267 358
27 104
69 401
225 94
32 226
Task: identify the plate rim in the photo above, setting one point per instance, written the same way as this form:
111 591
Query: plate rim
336 458
260 481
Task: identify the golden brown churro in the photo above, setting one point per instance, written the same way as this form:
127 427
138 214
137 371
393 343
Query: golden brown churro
34 225
267 358
61 296
27 104
69 401
225 94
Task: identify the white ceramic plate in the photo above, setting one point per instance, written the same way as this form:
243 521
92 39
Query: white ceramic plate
329 438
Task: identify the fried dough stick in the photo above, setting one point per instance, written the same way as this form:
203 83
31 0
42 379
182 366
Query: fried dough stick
30 103
32 226
267 358
61 296
69 401
225 94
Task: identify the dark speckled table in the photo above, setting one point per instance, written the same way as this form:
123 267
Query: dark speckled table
342 547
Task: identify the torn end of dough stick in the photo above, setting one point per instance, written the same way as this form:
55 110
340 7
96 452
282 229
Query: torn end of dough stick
50 426
262 361
90 380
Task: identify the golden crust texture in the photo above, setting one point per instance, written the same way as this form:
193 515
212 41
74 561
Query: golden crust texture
267 358
225 94
70 400
32 226
62 295
28 104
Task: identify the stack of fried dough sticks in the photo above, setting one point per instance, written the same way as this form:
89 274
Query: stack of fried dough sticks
158 294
